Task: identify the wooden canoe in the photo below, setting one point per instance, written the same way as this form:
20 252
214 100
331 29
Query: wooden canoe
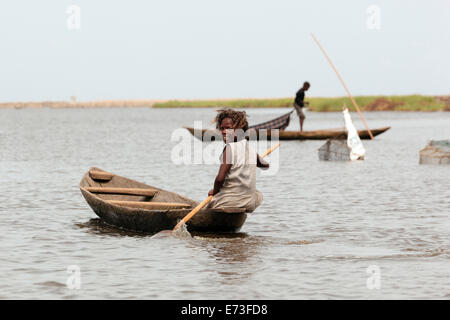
212 135
133 205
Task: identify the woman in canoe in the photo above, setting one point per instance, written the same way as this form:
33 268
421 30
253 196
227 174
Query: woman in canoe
235 184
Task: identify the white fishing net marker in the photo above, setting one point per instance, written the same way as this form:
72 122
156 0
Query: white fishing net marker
353 141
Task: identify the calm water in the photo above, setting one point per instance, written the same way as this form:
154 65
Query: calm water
320 227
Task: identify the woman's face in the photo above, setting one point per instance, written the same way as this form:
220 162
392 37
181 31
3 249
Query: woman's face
227 129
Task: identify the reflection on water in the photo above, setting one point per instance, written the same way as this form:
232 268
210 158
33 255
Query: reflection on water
230 253
97 226
319 228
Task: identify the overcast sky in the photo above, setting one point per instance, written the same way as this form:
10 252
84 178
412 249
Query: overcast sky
221 49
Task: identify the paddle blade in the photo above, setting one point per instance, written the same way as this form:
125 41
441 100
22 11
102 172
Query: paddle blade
193 212
182 233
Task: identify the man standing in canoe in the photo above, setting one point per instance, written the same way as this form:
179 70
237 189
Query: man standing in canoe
299 104
235 184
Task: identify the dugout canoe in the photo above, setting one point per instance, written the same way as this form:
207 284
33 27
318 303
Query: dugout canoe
212 135
136 206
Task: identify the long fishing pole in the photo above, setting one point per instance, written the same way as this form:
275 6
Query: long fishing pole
345 87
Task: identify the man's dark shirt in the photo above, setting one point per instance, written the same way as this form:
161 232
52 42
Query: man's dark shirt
299 97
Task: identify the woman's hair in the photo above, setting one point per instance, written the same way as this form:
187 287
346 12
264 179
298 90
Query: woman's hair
239 118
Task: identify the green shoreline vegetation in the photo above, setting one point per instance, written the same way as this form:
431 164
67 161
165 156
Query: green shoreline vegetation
318 104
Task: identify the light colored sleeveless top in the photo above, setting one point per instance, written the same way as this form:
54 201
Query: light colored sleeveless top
239 187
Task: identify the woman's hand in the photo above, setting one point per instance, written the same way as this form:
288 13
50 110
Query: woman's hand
211 192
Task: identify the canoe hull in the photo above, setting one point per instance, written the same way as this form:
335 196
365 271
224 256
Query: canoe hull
213 135
152 221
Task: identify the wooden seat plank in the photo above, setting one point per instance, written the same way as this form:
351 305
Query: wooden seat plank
150 205
130 191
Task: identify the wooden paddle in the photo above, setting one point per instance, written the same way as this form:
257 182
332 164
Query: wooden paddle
207 200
